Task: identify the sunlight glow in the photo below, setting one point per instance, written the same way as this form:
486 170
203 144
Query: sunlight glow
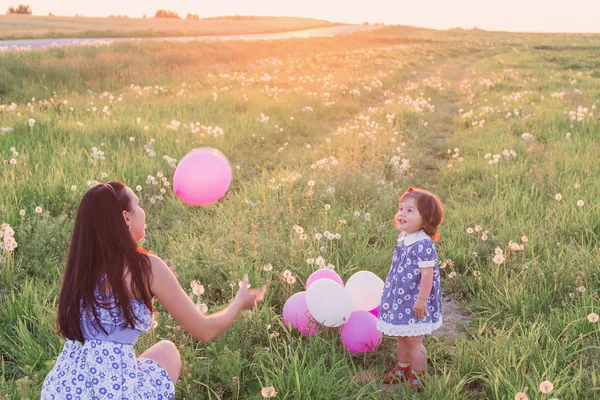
507 15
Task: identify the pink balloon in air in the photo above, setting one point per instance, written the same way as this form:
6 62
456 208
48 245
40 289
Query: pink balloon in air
202 177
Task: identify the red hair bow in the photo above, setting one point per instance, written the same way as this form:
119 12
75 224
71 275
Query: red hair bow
409 189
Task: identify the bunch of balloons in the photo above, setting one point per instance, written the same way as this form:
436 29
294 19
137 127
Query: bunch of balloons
327 302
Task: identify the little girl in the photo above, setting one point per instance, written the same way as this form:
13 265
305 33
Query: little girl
411 304
106 302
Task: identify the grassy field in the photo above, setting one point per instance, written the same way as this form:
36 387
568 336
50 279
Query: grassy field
504 127
28 26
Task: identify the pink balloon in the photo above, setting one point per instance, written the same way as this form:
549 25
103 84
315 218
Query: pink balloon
324 273
295 313
375 311
360 333
202 177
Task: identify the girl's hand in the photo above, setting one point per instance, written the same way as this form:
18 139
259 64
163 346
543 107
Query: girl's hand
247 298
420 309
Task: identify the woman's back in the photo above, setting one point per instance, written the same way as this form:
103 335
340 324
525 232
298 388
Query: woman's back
105 366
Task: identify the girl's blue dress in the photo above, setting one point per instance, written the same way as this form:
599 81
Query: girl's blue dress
396 315
105 365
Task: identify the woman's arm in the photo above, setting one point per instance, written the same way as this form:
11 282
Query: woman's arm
176 301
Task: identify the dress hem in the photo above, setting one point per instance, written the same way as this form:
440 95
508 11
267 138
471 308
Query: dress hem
416 329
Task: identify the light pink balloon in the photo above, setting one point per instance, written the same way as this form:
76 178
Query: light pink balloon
324 273
360 333
202 177
295 313
375 311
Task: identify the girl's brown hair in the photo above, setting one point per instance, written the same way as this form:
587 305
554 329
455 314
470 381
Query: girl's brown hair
430 207
101 245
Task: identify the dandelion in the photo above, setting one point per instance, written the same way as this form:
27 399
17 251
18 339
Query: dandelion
498 259
498 251
452 275
22 213
138 188
154 324
476 272
274 335
197 288
524 239
318 236
311 183
38 209
558 197
202 308
327 206
338 236
267 268
581 289
268 392
484 237
577 186
290 280
521 396
73 188
310 260
580 203
469 230
320 261
286 274
357 213
592 317
478 228
546 387
299 230
31 122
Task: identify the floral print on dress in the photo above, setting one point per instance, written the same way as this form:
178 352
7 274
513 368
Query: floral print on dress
402 286
101 369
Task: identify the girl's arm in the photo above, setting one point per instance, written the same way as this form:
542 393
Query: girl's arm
176 301
426 282
420 306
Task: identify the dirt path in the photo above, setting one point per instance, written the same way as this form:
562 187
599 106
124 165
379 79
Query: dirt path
8 45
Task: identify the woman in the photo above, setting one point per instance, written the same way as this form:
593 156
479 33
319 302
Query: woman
106 301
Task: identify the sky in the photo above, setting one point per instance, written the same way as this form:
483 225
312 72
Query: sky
504 15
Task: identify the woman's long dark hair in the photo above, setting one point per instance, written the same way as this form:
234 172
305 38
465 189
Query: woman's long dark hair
102 245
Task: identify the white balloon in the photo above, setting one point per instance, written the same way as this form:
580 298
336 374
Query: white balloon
328 302
365 290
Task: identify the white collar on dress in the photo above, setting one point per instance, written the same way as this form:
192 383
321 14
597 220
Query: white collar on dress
412 237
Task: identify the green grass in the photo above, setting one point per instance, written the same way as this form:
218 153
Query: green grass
529 312
37 27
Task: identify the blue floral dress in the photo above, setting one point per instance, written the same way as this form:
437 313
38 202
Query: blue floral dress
105 365
402 286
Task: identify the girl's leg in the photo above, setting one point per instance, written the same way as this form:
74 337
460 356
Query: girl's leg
417 354
165 353
402 351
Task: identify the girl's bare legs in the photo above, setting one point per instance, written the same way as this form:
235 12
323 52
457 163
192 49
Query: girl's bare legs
403 350
165 353
417 353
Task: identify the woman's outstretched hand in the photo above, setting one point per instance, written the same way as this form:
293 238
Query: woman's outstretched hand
247 298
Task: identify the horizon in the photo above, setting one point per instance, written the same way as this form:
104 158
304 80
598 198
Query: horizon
511 16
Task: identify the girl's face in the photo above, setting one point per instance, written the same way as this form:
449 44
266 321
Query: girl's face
136 218
408 218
